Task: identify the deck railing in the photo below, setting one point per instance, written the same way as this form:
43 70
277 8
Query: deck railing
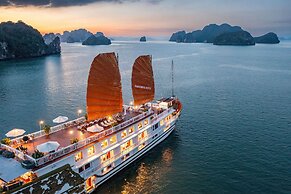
164 113
52 130
73 147
89 140
18 154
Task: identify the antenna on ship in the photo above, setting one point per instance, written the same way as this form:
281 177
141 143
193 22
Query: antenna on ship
173 78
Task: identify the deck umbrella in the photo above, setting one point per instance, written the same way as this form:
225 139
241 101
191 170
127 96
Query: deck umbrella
95 128
60 119
15 132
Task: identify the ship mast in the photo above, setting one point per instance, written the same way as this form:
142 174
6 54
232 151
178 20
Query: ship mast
172 78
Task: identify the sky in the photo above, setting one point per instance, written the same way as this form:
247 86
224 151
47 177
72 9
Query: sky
149 17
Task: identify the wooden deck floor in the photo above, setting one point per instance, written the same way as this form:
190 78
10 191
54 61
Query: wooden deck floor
64 137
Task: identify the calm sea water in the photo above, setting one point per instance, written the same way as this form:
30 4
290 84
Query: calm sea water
234 135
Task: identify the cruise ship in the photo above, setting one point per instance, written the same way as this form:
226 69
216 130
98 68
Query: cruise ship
79 155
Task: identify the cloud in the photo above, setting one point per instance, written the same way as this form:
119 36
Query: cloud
63 3
3 3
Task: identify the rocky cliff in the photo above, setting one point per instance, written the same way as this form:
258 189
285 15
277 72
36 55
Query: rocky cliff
55 46
234 34
143 39
99 40
269 38
99 34
241 38
19 40
207 34
79 35
178 36
48 38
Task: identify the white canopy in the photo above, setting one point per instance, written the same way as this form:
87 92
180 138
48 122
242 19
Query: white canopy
15 133
60 119
10 169
48 146
95 128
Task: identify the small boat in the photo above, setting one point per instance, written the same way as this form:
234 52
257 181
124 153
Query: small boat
94 148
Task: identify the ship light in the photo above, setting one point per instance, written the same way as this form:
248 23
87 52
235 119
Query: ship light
40 124
79 112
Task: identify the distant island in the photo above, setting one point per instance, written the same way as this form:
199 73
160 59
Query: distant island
79 35
223 34
269 38
19 40
143 39
97 40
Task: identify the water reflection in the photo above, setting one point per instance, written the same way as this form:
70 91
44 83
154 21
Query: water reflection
149 175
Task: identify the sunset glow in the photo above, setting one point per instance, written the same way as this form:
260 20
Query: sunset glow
155 18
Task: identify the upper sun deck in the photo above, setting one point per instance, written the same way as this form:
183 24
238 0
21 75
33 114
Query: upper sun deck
81 130
85 132
70 133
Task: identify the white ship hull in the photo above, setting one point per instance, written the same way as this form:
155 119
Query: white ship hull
135 157
153 140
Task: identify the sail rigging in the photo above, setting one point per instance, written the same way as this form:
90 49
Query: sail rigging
142 81
104 92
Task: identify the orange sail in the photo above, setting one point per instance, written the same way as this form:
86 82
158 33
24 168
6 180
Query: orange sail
142 81
104 94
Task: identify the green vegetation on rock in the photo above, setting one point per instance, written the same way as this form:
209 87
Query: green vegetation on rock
19 40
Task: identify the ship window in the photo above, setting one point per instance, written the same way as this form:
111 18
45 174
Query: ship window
161 122
126 145
155 136
78 156
113 139
126 156
87 166
107 156
123 134
131 130
106 169
104 144
141 146
91 151
146 122
81 169
139 126
156 125
142 135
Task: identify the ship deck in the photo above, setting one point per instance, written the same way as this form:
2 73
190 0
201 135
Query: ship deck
65 136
